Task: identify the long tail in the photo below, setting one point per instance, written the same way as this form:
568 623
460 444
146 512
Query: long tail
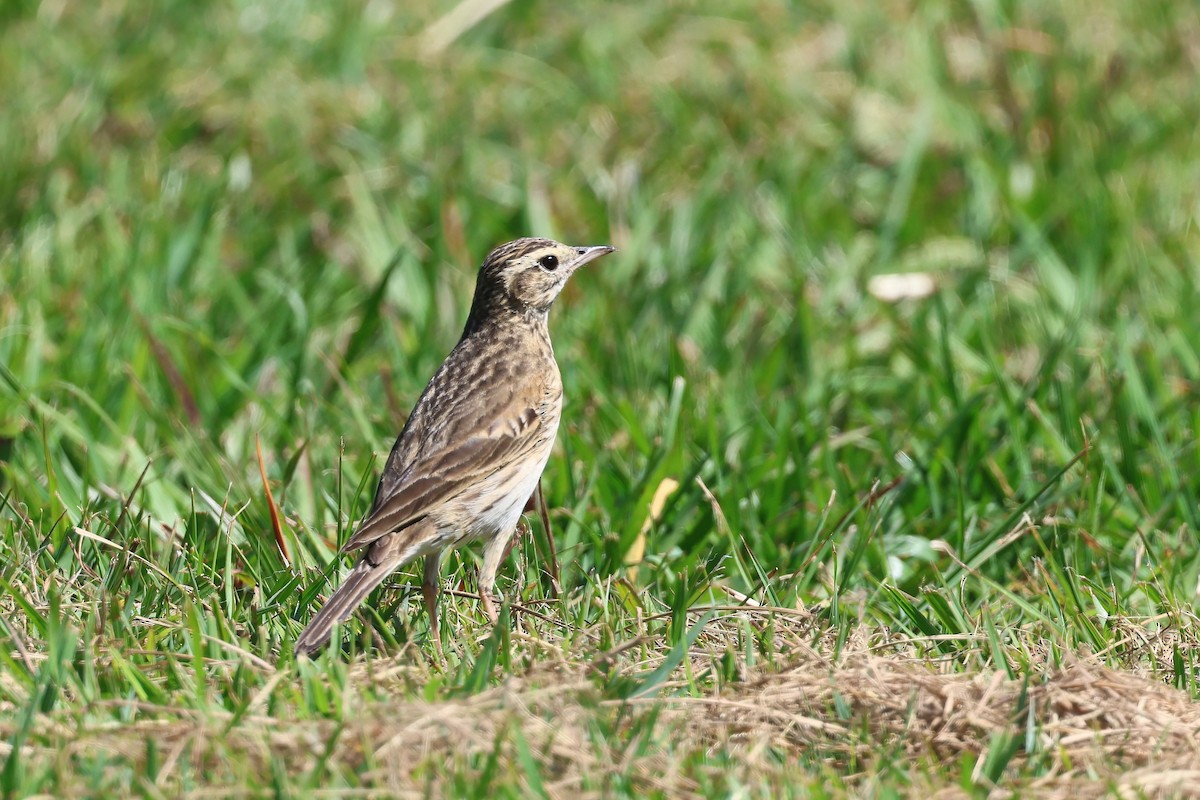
358 584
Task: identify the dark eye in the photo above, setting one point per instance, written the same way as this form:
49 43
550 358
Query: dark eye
548 263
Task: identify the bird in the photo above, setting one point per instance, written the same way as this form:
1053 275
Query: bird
473 449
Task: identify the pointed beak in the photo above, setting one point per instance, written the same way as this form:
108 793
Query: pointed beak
589 254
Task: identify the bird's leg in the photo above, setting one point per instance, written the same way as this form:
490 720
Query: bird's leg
429 588
489 607
493 553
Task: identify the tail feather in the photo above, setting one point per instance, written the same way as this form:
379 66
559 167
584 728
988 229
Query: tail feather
358 584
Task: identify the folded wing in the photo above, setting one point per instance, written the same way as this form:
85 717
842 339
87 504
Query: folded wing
440 474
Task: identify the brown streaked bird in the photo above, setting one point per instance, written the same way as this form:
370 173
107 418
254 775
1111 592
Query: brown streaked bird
475 445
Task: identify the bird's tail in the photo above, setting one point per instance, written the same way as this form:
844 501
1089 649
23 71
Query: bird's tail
358 584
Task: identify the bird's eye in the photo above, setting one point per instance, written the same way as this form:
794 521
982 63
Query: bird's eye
548 263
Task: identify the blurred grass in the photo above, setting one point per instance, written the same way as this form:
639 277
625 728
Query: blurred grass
262 221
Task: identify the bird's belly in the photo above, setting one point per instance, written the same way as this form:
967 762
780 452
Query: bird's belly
495 505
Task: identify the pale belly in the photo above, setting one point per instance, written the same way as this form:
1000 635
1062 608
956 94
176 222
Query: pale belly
503 502
493 506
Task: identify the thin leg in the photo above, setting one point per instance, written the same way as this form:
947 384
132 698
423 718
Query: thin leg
430 589
493 553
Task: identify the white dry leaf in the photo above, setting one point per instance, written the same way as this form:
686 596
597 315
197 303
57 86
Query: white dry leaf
897 286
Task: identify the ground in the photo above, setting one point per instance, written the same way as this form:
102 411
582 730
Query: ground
878 471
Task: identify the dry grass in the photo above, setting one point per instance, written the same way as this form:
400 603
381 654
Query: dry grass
1093 730
1091 721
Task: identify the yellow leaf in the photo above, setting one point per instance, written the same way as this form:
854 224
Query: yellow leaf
637 550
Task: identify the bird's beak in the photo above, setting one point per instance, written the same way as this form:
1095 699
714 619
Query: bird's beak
588 254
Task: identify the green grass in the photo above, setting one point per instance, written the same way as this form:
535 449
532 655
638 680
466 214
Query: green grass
259 224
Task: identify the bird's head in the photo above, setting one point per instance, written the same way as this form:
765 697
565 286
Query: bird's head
526 275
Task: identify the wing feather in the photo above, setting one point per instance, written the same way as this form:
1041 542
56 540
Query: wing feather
438 476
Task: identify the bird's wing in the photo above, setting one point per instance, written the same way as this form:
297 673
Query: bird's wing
443 470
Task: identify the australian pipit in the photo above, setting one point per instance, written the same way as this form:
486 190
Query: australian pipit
475 445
